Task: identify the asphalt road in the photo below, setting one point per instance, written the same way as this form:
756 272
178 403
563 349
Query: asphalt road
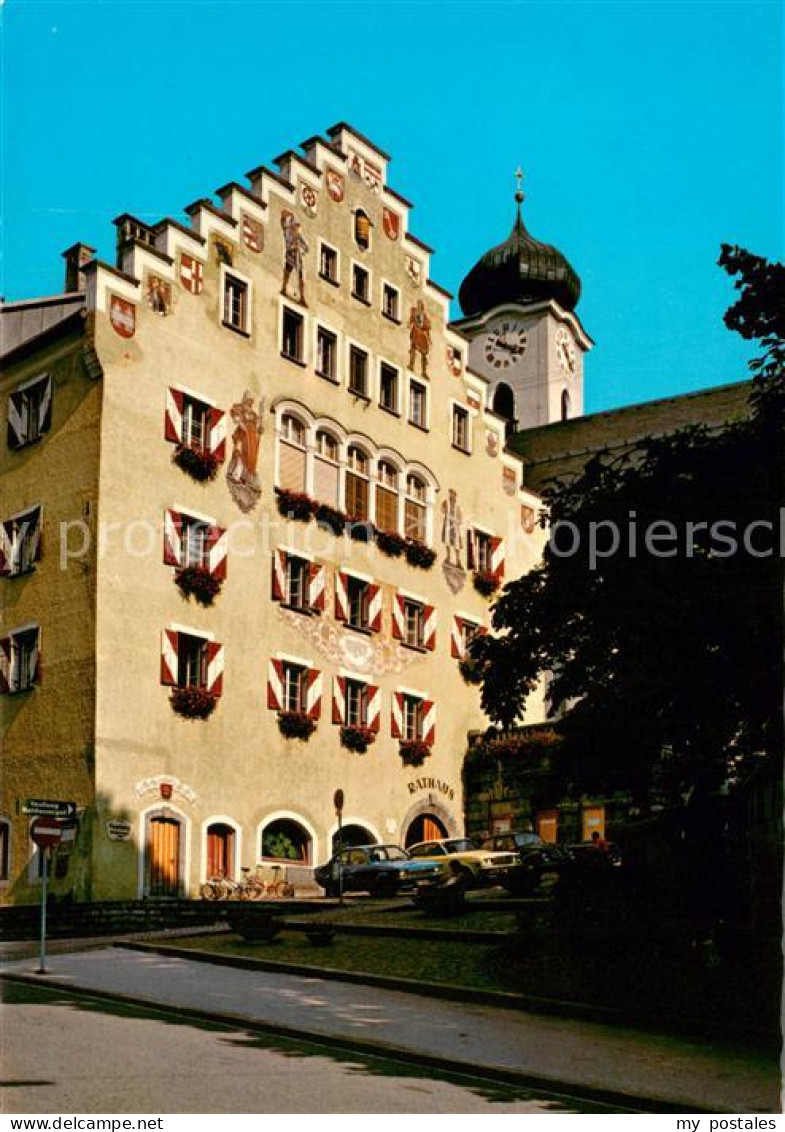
62 1053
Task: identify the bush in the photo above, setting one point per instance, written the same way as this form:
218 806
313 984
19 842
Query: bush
199 464
296 725
486 583
390 543
357 739
418 554
470 670
192 702
361 530
413 752
331 517
199 582
295 505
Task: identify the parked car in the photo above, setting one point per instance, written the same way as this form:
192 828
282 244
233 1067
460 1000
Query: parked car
480 865
537 863
381 870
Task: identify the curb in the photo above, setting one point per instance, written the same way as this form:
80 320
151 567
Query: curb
629 1102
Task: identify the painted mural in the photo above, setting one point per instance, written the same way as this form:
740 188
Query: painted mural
241 475
295 249
159 295
419 336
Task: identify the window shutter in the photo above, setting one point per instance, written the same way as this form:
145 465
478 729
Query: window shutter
34 669
341 599
429 722
45 407
16 428
374 707
169 646
35 520
275 685
339 699
374 607
325 481
291 467
386 509
317 577
471 551
6 545
279 575
173 421
5 665
217 435
218 545
215 668
313 694
429 628
456 638
398 618
173 543
396 720
497 557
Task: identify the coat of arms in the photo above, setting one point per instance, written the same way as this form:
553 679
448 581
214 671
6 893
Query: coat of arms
252 233
509 481
414 270
335 188
191 274
122 316
528 519
223 251
308 199
454 361
391 222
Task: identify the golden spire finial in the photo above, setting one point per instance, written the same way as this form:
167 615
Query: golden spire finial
519 178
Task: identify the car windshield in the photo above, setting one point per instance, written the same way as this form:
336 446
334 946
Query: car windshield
427 849
392 853
460 845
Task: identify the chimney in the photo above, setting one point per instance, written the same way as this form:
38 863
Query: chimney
75 258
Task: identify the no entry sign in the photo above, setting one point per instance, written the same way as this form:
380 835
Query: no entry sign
46 832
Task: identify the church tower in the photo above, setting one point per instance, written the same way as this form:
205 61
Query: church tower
519 304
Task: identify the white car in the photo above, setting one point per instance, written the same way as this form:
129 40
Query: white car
484 866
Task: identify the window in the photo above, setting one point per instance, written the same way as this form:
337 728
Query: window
5 849
286 840
565 405
194 542
191 661
293 683
460 428
20 542
235 303
357 484
362 229
358 599
325 469
19 660
412 717
292 335
196 423
388 387
358 371
356 703
360 283
297 582
418 404
468 631
414 623
387 497
326 353
291 454
482 551
328 263
390 302
415 509
29 412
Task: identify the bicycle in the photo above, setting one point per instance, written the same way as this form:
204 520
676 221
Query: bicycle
219 887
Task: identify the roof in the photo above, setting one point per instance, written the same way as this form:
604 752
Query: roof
21 322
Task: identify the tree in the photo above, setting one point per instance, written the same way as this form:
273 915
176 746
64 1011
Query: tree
665 655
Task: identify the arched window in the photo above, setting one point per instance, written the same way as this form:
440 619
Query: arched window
326 470
352 834
357 483
387 497
220 850
415 510
504 405
425 827
565 405
291 454
286 840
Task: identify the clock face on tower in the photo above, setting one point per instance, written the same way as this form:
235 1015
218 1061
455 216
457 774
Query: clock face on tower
504 344
565 350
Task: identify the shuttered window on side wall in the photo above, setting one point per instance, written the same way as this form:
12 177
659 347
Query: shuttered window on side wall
291 472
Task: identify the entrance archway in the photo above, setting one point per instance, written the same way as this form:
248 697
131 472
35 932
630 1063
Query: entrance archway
425 827
353 834
164 847
220 850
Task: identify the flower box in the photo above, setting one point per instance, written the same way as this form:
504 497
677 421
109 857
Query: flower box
470 670
361 530
295 505
390 543
296 725
418 554
198 463
485 583
413 752
198 582
357 739
331 518
192 702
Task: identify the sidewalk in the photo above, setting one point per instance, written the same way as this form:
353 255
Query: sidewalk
676 1072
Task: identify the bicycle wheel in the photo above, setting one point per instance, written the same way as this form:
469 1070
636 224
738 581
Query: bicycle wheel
255 892
208 891
288 891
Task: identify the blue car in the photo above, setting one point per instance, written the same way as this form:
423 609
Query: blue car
381 870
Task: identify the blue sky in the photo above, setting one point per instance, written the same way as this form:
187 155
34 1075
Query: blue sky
649 134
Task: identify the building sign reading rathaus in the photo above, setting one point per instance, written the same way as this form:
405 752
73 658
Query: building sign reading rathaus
257 501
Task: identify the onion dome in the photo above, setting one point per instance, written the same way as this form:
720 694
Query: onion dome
521 270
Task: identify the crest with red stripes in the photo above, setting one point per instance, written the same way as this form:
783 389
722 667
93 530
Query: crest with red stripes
191 274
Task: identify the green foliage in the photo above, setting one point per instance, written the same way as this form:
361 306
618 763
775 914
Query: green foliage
280 847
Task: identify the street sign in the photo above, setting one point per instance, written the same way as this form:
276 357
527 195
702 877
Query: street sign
118 829
46 832
338 801
48 808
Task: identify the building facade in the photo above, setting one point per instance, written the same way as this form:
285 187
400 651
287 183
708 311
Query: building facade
256 498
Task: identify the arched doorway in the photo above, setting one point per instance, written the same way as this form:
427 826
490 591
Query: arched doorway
220 850
504 406
565 405
353 834
286 840
425 827
164 848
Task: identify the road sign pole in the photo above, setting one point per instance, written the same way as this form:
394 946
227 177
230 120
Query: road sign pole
42 961
340 857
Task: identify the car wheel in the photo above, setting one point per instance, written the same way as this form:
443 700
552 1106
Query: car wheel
382 887
330 889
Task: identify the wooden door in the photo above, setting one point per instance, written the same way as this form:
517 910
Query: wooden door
593 820
164 856
548 825
432 829
220 851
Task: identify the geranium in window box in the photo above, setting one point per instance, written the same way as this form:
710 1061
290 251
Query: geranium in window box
331 518
486 583
295 505
357 739
296 725
361 530
470 670
418 554
193 702
413 752
198 582
200 464
390 543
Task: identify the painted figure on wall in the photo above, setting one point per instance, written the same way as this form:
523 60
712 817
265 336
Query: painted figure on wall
241 474
419 336
159 294
451 527
295 248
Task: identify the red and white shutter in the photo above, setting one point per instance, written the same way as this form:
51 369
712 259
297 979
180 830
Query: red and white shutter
34 525
471 551
6 547
429 628
313 694
339 699
5 665
45 407
374 607
16 428
496 564
374 707
173 423
215 668
275 685
396 715
173 543
429 722
34 661
317 578
218 549
217 435
279 575
457 649
169 644
398 617
341 597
